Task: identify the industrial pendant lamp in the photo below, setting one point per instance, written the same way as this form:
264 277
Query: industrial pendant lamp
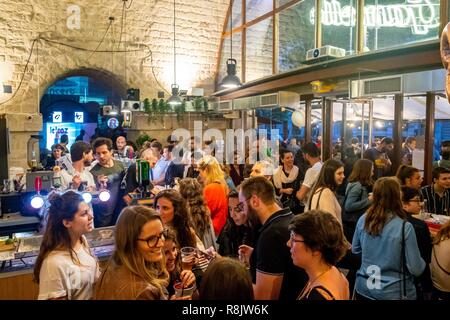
231 80
174 99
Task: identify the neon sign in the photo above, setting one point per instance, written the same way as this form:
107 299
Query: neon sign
419 15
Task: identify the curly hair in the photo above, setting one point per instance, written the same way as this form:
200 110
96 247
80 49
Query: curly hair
181 220
192 191
321 232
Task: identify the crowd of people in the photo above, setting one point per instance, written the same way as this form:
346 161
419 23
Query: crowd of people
300 229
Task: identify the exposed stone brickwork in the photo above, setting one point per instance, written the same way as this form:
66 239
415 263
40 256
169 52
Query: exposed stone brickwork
148 25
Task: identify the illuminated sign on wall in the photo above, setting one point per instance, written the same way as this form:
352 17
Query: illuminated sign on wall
57 116
113 123
79 117
55 131
419 15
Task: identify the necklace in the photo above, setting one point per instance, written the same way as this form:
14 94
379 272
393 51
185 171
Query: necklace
309 286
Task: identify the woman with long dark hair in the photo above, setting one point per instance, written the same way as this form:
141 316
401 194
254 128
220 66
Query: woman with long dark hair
388 245
323 195
137 270
173 263
172 208
65 267
357 199
237 230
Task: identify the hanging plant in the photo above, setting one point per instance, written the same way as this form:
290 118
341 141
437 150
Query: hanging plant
142 139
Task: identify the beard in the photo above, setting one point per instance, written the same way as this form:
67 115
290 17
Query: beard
252 217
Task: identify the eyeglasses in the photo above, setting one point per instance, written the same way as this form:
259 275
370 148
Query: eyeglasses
292 238
153 241
239 208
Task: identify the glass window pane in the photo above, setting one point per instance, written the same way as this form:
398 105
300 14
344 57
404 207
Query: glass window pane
257 8
383 118
226 54
441 127
297 120
237 15
389 23
316 122
259 50
414 126
296 35
337 130
339 24
282 2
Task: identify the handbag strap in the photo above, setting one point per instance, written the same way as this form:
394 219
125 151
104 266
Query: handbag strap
437 262
404 258
318 199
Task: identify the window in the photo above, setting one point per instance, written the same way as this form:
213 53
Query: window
296 35
389 23
257 8
237 15
259 50
339 24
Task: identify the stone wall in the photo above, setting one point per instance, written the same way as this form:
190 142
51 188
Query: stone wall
143 46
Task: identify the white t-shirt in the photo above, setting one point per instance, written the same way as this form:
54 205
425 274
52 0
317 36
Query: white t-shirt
312 174
61 277
85 175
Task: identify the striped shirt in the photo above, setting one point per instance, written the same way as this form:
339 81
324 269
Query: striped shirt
434 203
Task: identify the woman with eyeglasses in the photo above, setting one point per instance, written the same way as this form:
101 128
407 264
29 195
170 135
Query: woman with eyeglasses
412 204
137 270
317 243
390 257
65 268
236 231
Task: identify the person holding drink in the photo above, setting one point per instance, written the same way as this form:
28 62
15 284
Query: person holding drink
180 274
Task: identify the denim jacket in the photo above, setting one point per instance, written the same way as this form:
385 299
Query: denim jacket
380 275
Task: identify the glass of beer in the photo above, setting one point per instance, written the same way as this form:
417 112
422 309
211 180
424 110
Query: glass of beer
188 257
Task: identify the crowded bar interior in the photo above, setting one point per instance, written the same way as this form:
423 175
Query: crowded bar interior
225 149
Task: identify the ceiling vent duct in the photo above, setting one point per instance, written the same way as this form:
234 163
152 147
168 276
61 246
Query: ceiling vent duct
280 99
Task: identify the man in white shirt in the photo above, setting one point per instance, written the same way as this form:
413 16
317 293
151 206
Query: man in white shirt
78 174
312 155
193 149
159 171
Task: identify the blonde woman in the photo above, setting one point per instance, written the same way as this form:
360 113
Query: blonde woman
215 191
137 268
